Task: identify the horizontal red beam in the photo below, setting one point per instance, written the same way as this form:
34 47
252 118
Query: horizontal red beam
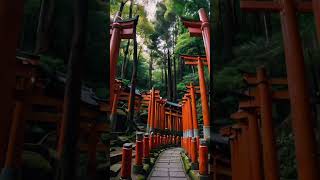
195 58
194 63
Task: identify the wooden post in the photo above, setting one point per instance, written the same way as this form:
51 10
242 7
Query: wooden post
194 154
138 167
255 147
114 54
203 159
205 28
11 13
204 101
126 161
12 168
113 114
194 113
152 110
270 159
146 149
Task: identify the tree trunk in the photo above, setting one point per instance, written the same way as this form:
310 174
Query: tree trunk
174 79
174 64
266 30
119 13
181 69
227 23
133 79
68 138
162 75
169 77
44 26
127 48
165 77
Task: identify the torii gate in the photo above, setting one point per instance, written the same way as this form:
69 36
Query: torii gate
198 28
305 142
200 61
119 30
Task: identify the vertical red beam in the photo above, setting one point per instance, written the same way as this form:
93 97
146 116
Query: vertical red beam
146 148
194 154
255 147
190 129
205 28
10 22
126 161
270 160
194 113
204 101
244 163
149 115
162 117
203 159
138 166
113 113
316 12
183 126
236 175
114 54
13 161
169 120
152 110
305 143
233 158
156 109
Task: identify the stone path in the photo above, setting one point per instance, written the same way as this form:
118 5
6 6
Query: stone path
169 166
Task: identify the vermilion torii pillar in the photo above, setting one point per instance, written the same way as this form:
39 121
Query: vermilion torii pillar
198 60
198 28
119 30
305 143
231 135
10 21
261 99
254 142
194 111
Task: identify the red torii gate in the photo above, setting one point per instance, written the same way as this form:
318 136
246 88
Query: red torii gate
198 28
119 30
298 90
198 60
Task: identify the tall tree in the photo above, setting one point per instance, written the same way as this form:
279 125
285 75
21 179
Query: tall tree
44 26
170 92
133 78
124 62
68 139
150 70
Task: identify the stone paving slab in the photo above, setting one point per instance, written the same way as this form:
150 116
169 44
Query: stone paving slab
169 166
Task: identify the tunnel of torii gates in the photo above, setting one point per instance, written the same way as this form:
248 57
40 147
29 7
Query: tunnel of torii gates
167 121
251 139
